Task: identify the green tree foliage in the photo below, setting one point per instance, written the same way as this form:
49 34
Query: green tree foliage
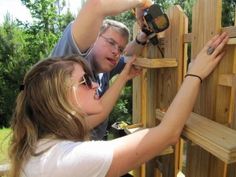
127 18
228 9
13 54
24 44
186 5
48 24
123 109
228 12
48 15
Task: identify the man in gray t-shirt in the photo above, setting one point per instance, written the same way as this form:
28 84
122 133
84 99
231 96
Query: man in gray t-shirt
102 43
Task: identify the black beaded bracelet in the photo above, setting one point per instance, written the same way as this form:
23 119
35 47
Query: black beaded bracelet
193 75
139 42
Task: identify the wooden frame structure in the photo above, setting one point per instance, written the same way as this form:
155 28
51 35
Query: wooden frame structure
209 137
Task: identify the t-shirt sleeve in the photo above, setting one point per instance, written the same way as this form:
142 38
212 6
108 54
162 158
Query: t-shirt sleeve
67 45
87 159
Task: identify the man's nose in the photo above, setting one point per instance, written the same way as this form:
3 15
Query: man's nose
115 50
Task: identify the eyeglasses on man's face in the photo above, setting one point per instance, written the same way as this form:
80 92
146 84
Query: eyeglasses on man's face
112 43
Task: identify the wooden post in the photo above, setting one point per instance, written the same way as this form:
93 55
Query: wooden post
170 79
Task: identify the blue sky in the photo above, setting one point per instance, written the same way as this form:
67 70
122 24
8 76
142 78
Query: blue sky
18 10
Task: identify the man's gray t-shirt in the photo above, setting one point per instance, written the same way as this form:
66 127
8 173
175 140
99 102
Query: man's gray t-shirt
67 46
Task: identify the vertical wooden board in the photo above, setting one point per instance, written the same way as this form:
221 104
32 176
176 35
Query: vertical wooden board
215 166
136 94
204 165
205 25
223 94
174 41
205 15
152 97
233 96
222 104
233 123
196 167
164 88
234 64
206 21
186 51
136 103
150 92
168 169
182 154
191 155
228 62
232 119
231 170
197 37
169 79
144 97
157 173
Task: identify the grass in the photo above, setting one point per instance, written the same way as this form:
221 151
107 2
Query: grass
4 142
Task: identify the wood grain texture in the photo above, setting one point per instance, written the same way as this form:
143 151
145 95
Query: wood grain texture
210 135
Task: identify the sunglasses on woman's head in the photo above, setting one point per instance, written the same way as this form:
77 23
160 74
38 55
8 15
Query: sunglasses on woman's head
87 80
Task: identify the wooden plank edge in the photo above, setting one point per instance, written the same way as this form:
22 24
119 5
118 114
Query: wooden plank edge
219 152
231 30
156 62
232 41
137 127
227 80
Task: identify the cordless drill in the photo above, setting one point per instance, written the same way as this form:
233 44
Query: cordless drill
155 21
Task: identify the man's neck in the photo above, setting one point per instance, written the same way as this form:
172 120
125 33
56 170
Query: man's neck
91 60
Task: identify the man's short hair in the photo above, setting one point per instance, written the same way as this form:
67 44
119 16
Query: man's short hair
118 26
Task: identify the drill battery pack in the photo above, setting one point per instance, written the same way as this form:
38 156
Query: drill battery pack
156 21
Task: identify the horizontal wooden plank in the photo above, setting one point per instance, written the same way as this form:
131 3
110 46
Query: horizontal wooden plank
156 62
227 80
168 150
232 41
132 130
188 39
231 30
215 138
135 125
